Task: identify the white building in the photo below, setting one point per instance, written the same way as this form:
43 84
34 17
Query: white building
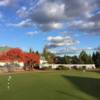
44 63
3 63
6 66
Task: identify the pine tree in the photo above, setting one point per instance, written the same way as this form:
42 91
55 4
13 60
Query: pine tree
30 50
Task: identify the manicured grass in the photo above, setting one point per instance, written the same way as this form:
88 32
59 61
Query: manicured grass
54 85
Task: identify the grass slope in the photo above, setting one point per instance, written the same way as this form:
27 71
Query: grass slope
57 85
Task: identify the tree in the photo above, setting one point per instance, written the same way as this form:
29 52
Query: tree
30 60
85 58
75 60
59 60
15 54
48 56
90 60
96 58
45 53
37 53
67 60
30 50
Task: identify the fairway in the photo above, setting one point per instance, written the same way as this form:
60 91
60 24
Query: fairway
53 85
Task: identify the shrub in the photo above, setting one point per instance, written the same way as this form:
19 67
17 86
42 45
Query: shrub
83 67
45 68
36 66
50 67
62 68
75 67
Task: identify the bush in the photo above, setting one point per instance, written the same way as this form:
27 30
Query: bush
46 68
50 67
75 67
36 66
83 67
62 68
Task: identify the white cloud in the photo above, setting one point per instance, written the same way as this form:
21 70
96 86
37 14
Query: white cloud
7 2
22 12
48 12
90 25
62 10
56 25
32 33
70 50
4 2
82 24
97 48
60 41
50 15
23 24
51 26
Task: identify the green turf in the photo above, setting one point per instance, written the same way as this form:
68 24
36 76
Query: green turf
57 85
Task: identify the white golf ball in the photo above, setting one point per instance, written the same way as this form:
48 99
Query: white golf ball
8 87
10 77
8 83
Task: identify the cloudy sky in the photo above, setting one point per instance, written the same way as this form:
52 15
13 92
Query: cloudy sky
55 24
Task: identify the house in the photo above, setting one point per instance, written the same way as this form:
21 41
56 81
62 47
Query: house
6 65
43 62
16 59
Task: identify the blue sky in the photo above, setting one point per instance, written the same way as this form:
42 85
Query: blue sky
55 24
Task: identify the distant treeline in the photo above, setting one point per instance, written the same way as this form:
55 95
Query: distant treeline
82 58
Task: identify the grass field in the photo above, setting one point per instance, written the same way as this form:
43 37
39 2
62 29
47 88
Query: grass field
55 85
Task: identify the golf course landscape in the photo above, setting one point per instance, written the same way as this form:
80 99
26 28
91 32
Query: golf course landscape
51 85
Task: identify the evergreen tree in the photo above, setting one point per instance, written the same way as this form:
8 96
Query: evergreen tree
75 60
90 60
96 58
30 50
85 58
37 53
67 60
48 56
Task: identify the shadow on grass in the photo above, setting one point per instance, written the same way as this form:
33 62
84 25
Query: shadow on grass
70 95
90 86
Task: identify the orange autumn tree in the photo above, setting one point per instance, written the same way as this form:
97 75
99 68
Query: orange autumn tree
15 54
30 59
4 58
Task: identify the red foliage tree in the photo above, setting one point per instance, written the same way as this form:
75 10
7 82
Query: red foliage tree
30 59
15 54
4 58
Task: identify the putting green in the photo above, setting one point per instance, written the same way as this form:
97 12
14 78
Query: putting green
53 85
